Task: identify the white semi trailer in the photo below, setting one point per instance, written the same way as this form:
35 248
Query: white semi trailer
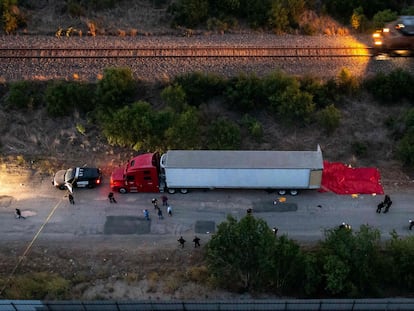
284 171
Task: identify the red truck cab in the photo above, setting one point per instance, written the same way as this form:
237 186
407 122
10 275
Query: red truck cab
141 174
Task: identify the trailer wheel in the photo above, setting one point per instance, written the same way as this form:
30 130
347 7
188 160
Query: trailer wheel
293 192
171 191
122 190
282 192
184 191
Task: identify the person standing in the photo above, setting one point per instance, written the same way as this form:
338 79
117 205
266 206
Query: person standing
111 197
154 202
169 210
275 230
146 214
19 214
411 224
160 213
71 199
164 199
379 207
181 241
387 203
196 241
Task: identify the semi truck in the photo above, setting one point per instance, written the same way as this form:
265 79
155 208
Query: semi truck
182 170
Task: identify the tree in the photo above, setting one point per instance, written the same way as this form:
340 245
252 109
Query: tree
189 13
351 261
184 132
136 126
175 97
239 254
293 105
287 266
329 117
244 93
116 88
223 134
401 251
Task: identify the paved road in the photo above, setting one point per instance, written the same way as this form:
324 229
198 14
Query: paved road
50 217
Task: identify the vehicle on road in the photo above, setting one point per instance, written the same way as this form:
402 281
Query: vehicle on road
182 170
77 177
396 37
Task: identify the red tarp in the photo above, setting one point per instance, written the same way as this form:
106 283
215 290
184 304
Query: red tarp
341 179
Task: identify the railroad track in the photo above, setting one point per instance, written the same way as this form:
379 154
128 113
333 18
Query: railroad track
185 51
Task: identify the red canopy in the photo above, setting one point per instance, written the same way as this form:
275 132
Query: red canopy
341 179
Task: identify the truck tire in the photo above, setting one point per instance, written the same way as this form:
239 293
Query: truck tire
171 191
282 192
293 192
122 190
184 191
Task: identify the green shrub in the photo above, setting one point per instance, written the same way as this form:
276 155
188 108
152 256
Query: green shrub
39 285
293 105
391 88
329 118
359 21
175 97
136 126
278 19
23 95
184 132
200 87
223 134
116 88
189 13
11 18
405 149
383 17
255 127
347 83
64 97
75 8
244 93
323 93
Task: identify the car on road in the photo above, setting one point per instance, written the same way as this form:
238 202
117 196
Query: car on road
77 177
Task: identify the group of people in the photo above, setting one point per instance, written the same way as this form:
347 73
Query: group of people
386 204
196 241
154 202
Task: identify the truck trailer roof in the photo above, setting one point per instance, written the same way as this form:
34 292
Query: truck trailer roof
242 159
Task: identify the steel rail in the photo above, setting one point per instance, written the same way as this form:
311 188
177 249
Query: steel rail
185 51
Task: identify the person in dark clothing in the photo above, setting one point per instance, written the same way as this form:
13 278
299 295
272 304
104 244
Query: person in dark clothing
275 230
160 214
387 203
164 199
380 207
71 199
411 224
181 241
249 211
387 206
19 214
111 197
196 241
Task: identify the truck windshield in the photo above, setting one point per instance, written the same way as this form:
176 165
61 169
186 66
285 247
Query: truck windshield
70 175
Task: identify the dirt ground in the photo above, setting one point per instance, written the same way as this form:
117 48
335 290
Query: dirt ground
35 145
